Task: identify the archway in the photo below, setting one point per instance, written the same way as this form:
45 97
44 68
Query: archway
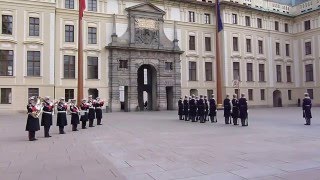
147 87
277 100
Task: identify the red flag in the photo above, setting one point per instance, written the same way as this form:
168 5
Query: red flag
82 7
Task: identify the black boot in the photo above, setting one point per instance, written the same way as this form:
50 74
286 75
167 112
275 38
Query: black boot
226 120
46 131
61 130
74 127
235 121
91 123
84 124
186 118
99 122
32 136
243 122
308 121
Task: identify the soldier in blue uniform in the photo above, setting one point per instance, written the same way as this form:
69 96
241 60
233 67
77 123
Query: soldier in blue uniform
235 109
200 105
213 109
33 124
197 109
193 109
206 108
186 108
243 107
306 108
46 120
62 115
91 113
227 109
180 109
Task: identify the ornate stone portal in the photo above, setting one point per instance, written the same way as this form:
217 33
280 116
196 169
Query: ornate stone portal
144 46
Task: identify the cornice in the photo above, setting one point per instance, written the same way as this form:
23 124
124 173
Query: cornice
9 41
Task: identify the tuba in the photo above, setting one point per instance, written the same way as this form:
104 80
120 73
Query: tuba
39 106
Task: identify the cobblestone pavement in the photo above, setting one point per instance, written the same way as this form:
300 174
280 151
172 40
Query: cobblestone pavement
155 145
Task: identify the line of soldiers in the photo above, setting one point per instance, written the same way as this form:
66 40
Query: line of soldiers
88 111
194 109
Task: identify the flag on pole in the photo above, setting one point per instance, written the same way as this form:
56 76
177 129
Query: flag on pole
82 7
220 25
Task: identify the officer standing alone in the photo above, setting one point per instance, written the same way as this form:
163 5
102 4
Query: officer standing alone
306 108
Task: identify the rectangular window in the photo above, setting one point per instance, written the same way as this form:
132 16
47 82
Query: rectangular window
209 93
92 35
288 69
248 44
236 91
310 92
307 25
69 67
92 67
208 67
192 43
7 21
288 50
262 94
261 73
307 46
286 27
248 23
192 71
34 27
192 16
236 71
249 72
276 25
289 95
6 63
6 96
168 66
259 23
260 46
92 5
278 49
207 43
250 94
207 19
33 92
309 72
69 94
33 66
279 76
235 44
69 4
123 64
234 19
69 33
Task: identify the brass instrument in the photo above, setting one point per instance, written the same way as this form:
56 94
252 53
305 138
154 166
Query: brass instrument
39 106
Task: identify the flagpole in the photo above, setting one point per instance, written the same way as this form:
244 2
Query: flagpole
218 63
80 57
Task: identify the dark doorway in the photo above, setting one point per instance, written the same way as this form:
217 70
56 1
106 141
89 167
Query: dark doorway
147 84
94 93
169 92
277 100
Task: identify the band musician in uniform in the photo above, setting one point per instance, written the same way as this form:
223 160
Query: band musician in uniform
98 105
84 106
62 108
186 108
33 124
47 113
91 114
75 111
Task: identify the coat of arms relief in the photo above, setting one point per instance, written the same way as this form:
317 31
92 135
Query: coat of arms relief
146 31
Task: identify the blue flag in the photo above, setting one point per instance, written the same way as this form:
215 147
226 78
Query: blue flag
220 25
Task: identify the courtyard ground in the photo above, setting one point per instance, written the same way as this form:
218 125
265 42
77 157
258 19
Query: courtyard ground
155 145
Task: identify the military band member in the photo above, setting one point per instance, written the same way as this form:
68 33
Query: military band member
186 108
197 113
306 108
206 108
227 109
180 109
212 109
235 109
62 115
74 115
98 105
193 109
91 114
84 106
243 107
46 120
33 124
200 105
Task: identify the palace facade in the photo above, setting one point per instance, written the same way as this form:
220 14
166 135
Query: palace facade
159 51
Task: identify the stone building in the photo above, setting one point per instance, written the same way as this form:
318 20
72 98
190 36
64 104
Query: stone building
159 50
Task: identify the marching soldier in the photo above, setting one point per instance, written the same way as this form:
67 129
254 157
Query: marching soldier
197 108
91 114
235 109
180 109
200 105
227 110
47 113
193 109
84 113
62 115
206 108
186 108
213 109
74 115
33 119
306 108
243 107
98 105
